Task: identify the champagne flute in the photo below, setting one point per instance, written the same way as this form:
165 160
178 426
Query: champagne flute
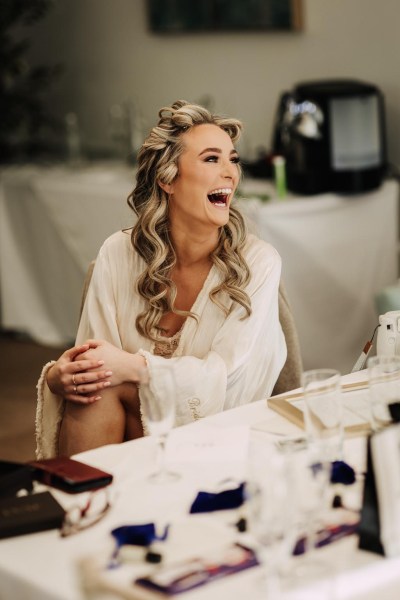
157 403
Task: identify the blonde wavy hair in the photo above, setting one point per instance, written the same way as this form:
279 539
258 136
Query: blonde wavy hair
158 161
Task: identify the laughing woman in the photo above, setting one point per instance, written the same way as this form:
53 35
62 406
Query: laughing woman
186 285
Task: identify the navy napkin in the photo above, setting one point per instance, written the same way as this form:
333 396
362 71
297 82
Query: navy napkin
341 472
209 502
137 535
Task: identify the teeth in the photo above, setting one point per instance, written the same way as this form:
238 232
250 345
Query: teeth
226 191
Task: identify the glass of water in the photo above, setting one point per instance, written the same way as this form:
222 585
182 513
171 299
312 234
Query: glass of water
157 404
384 390
323 415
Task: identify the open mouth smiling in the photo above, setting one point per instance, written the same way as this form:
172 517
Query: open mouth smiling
219 197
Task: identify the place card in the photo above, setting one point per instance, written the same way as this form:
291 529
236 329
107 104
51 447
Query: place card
208 443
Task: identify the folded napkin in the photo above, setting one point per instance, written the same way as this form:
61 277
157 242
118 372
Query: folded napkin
341 472
137 535
209 502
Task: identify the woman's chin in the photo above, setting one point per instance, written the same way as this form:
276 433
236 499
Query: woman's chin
219 216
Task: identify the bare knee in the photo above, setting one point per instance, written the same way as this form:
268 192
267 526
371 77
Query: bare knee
87 426
111 420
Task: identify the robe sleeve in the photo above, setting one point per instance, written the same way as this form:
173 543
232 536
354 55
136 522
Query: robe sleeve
98 320
99 315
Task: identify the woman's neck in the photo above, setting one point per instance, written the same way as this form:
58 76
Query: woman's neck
193 249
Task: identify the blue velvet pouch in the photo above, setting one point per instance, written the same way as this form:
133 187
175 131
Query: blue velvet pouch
137 535
342 473
209 502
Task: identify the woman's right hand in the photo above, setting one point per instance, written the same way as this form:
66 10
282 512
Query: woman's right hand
78 380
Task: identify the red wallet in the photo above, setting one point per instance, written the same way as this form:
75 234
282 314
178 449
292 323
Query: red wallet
69 475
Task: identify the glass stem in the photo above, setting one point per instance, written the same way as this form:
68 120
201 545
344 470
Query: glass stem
162 467
271 577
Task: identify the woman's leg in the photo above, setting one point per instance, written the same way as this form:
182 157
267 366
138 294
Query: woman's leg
110 420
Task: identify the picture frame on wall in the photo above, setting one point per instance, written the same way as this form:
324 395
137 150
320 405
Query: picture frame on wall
207 16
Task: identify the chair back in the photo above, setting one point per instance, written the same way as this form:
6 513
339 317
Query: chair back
290 376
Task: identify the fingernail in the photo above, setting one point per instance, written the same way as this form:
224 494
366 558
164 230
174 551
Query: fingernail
108 373
97 398
106 383
101 362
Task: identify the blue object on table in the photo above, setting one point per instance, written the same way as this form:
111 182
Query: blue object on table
209 502
137 535
341 472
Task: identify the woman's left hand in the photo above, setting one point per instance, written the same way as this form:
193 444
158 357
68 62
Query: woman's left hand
125 366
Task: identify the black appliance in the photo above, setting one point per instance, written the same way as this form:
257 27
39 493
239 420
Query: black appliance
332 135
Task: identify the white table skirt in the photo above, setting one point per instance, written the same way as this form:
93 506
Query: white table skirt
337 252
52 224
43 566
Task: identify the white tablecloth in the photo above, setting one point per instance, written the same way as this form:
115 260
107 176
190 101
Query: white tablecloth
337 252
43 566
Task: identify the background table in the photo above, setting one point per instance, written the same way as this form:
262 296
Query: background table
337 252
52 223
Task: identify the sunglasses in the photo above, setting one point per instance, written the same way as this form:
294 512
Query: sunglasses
78 518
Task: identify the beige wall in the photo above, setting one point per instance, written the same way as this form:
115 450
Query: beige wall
110 56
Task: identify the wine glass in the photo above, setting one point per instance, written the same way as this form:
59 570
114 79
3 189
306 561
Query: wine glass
157 404
323 414
308 484
267 513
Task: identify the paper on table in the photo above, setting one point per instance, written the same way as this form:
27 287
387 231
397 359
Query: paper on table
208 444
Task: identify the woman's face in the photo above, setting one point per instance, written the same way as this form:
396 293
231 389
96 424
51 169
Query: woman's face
208 175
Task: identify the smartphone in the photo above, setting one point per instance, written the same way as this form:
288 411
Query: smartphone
69 475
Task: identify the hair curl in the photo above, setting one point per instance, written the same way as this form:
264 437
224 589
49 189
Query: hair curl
158 161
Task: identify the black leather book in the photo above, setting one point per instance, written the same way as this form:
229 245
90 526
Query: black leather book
29 514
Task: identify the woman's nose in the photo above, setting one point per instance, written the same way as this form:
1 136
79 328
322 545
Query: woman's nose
229 170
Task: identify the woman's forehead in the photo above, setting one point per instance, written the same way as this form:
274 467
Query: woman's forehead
205 136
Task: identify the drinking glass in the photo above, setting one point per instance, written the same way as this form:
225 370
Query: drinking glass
323 413
384 389
158 408
267 514
308 488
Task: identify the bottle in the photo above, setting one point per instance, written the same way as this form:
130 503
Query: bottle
279 163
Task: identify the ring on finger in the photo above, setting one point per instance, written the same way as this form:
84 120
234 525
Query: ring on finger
73 380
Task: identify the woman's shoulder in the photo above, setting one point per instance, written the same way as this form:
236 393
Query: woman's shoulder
117 241
257 250
119 246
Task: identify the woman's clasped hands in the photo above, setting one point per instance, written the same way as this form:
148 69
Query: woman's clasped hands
77 376
82 372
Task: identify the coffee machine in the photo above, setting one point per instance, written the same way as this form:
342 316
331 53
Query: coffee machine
332 135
